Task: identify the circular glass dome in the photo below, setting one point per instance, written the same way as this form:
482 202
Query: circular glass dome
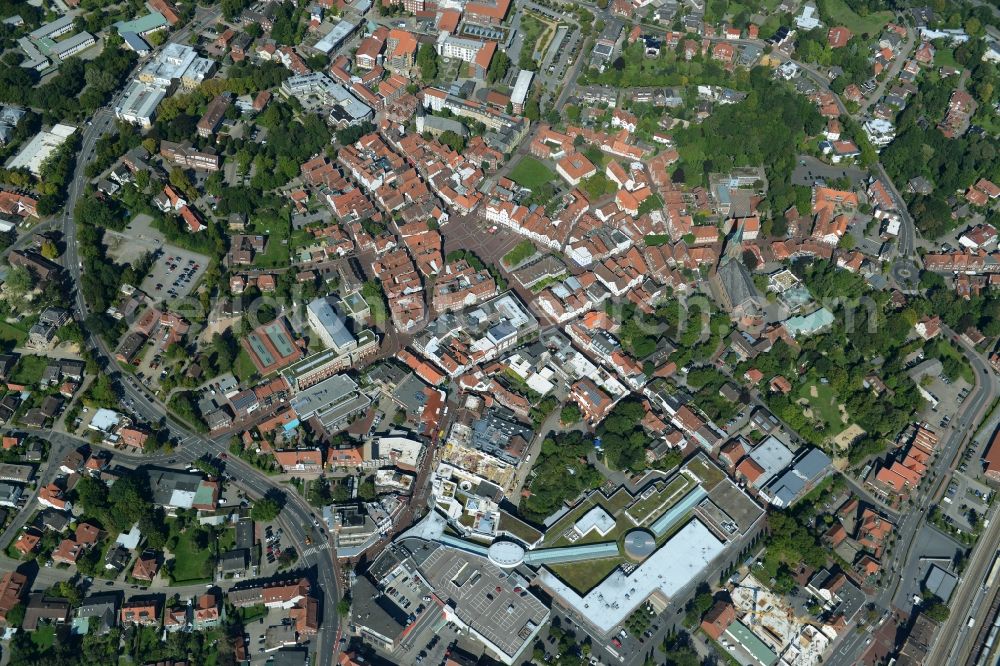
506 554
639 544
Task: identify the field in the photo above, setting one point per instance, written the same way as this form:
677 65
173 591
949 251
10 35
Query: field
531 173
822 401
243 367
840 14
710 475
29 370
583 576
191 564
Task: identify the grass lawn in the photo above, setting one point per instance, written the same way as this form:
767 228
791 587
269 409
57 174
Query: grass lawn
301 238
950 351
841 14
252 613
29 370
554 535
190 562
278 231
531 30
557 531
709 474
824 406
946 58
227 540
547 282
243 366
584 576
44 636
617 502
275 254
521 251
518 528
14 334
531 173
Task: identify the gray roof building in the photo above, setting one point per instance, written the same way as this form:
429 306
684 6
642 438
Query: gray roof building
799 478
736 288
500 434
100 611
378 620
332 401
771 456
234 562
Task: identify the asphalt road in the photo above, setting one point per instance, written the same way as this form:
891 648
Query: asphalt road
296 518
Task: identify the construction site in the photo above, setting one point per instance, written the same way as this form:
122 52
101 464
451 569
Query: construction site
767 628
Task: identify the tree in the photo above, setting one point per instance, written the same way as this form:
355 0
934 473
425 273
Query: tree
49 249
366 491
498 67
453 140
66 590
15 616
427 61
936 610
344 607
532 111
265 510
19 281
570 414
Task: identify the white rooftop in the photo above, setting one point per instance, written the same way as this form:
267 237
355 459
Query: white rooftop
104 420
521 86
595 519
808 19
40 147
130 540
680 561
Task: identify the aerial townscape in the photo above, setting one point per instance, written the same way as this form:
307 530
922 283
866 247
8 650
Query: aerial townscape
480 332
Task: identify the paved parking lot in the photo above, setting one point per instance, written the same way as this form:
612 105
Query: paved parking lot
809 169
174 274
929 545
493 602
964 494
140 238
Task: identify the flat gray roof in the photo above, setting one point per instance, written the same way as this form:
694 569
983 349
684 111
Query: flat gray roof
504 618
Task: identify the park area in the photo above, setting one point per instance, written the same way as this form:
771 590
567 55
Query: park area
820 404
536 34
531 173
193 562
520 253
840 14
